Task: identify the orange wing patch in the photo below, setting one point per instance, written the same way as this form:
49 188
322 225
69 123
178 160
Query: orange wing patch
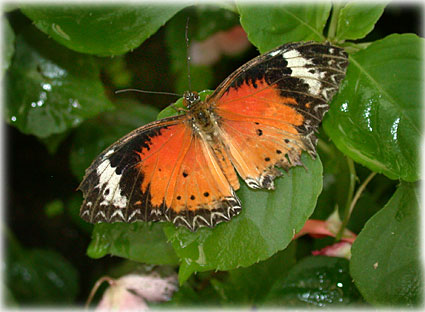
255 149
185 182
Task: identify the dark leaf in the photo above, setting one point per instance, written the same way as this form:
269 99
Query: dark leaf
385 262
315 281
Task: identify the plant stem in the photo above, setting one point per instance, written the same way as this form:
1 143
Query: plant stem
346 217
96 286
354 202
336 7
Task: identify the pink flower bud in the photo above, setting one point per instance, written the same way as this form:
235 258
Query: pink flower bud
132 291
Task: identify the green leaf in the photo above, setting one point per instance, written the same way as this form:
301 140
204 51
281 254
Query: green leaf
385 263
376 117
97 134
356 20
267 223
273 25
49 88
39 276
249 286
8 44
102 30
315 281
142 242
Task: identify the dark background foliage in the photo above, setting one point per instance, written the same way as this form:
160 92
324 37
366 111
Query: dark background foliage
38 175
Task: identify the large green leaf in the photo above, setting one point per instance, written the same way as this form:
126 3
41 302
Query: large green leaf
317 281
49 88
102 30
142 242
267 223
376 116
272 25
95 135
385 262
356 20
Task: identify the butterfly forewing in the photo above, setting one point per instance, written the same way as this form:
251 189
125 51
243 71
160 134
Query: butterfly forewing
162 172
270 107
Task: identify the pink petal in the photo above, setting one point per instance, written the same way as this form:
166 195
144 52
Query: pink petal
118 298
233 41
340 249
132 291
228 42
320 228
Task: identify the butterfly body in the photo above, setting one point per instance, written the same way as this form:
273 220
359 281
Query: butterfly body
184 169
200 115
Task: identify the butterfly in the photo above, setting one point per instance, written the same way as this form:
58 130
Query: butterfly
182 169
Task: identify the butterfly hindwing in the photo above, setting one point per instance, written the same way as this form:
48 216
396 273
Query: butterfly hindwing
270 107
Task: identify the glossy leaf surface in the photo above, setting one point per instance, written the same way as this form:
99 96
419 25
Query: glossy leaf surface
50 88
316 281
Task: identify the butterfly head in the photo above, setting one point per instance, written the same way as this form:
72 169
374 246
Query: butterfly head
191 98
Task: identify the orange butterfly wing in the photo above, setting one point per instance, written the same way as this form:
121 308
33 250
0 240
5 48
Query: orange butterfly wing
161 172
270 108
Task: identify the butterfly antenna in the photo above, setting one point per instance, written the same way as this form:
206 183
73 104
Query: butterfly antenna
143 91
188 52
